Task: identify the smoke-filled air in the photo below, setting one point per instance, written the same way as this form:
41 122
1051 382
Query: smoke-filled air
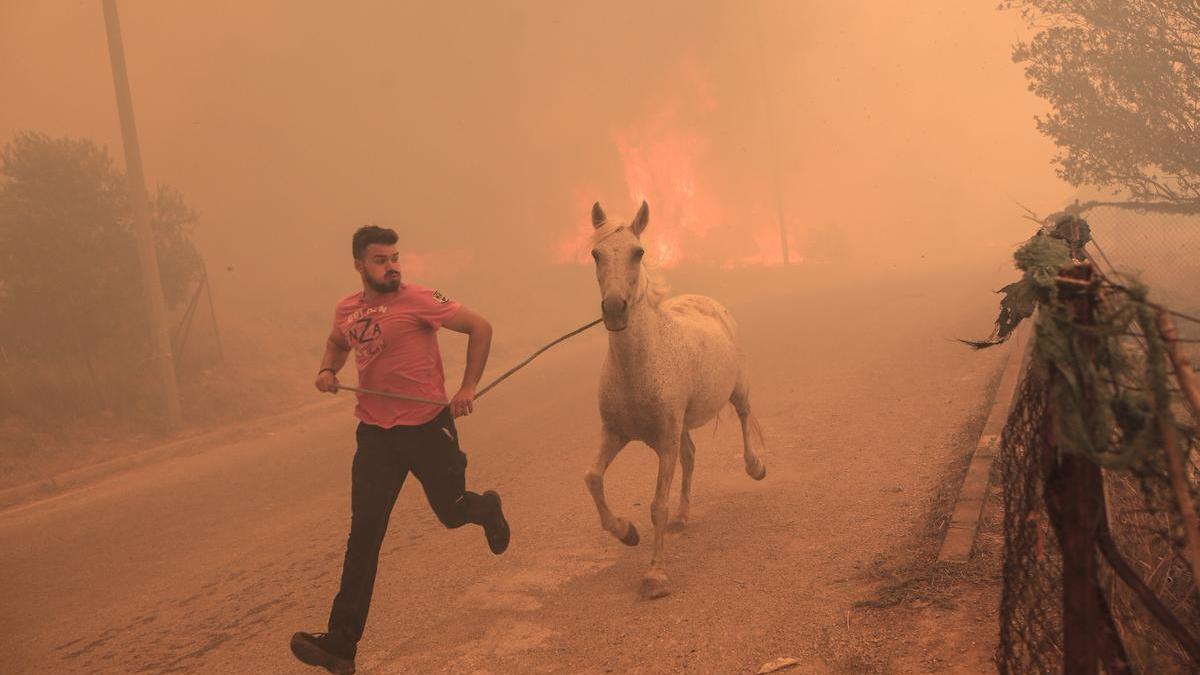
586 337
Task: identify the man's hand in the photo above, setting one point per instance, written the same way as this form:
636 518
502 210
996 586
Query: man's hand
327 382
471 323
336 351
463 402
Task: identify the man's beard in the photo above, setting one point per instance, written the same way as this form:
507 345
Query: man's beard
385 286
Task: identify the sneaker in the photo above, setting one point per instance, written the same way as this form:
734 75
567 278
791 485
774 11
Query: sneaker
323 651
495 528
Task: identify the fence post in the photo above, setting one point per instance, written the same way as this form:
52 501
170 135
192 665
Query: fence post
1074 495
1079 480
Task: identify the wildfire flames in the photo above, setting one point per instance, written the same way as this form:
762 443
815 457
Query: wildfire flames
663 157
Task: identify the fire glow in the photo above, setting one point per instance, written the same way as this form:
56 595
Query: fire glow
659 157
662 157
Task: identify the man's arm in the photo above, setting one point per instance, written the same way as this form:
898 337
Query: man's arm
479 344
336 351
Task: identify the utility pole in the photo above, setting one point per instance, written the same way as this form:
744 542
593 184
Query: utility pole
766 92
160 340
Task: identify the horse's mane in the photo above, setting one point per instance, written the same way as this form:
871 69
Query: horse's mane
654 285
651 283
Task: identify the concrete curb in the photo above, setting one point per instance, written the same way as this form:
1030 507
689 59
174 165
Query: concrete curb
20 495
968 508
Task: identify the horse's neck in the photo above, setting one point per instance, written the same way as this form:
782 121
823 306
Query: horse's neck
640 341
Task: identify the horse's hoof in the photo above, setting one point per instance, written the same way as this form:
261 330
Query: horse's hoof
631 537
655 585
757 472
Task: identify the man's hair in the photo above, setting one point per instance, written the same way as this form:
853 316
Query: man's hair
371 234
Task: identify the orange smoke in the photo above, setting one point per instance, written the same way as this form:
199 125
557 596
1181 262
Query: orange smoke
576 247
768 250
446 263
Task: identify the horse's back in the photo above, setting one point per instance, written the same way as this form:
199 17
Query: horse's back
707 339
702 313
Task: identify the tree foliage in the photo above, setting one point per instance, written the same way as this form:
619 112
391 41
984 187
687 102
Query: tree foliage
69 270
1123 81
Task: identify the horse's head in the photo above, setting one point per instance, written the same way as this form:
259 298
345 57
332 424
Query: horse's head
617 249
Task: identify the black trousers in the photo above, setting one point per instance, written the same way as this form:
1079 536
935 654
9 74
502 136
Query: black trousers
383 460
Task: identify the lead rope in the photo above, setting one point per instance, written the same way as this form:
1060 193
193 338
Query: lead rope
486 389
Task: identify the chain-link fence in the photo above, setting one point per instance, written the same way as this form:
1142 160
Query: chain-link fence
1030 619
1097 458
1140 532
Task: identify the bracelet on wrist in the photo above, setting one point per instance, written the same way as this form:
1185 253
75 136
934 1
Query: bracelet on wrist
325 369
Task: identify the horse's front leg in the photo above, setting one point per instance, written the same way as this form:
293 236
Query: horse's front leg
656 584
610 445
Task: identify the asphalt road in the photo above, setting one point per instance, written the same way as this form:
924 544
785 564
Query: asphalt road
208 563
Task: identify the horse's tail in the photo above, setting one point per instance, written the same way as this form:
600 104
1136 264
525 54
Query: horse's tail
757 428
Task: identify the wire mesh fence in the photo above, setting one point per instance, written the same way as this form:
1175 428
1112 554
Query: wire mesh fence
1162 249
1097 457
1030 619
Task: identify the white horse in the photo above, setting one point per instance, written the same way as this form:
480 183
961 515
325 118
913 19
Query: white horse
672 364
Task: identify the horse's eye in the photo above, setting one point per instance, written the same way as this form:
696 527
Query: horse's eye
596 255
638 253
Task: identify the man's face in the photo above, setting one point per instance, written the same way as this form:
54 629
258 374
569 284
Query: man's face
380 267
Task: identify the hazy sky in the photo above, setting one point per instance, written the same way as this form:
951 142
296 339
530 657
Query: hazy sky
484 130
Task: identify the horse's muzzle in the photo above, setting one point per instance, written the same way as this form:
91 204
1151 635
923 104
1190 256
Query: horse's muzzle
615 312
613 306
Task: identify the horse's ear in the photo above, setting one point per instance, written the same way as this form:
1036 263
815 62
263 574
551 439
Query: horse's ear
640 220
598 217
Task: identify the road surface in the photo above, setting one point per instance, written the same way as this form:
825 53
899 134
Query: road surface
208 563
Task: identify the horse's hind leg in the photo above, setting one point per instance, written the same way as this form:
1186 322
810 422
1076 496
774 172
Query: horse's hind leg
741 402
622 529
687 461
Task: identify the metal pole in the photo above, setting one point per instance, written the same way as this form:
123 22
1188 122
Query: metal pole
766 86
151 284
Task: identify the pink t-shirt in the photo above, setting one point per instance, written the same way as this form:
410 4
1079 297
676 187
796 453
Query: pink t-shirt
396 350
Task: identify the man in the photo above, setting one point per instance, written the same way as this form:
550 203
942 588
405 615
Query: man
392 328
